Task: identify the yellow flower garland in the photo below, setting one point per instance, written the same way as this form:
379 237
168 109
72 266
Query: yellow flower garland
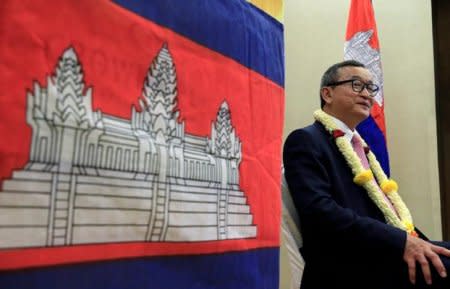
401 217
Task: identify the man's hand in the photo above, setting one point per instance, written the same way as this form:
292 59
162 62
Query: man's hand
418 250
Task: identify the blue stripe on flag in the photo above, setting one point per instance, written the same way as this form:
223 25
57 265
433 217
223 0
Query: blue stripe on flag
233 28
257 269
373 135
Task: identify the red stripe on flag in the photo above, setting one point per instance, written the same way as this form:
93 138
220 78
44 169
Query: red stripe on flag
362 18
29 258
378 115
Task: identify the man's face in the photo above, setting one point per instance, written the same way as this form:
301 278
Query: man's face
343 102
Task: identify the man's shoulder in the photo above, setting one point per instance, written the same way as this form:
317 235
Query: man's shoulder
309 137
311 131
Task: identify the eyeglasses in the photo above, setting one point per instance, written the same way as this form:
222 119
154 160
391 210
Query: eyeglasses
358 86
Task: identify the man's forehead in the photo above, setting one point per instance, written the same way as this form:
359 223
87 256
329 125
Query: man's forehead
355 72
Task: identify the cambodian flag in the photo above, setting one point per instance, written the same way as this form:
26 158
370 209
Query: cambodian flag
139 144
362 45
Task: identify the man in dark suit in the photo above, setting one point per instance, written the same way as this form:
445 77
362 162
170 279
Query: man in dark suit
347 241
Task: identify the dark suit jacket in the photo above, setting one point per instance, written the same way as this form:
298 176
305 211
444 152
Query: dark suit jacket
347 243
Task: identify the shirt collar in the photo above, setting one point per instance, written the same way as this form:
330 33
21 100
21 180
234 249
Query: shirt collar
345 129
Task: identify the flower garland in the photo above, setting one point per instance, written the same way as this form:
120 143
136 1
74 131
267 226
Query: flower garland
401 217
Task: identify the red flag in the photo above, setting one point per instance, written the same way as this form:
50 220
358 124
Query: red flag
362 45
135 136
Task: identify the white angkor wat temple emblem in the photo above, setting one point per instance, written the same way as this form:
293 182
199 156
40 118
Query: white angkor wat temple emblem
358 48
98 178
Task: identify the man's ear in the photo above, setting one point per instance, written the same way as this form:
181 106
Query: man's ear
325 93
